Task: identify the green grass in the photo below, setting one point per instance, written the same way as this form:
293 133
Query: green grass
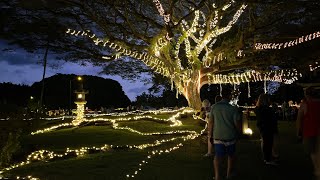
186 163
85 136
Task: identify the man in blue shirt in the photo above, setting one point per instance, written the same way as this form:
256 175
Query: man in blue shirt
224 126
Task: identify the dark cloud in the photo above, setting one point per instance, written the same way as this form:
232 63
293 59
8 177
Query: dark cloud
14 55
19 71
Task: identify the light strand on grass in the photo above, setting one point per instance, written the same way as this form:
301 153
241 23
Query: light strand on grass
45 155
150 155
172 119
159 152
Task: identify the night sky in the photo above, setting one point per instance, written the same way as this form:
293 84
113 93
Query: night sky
20 67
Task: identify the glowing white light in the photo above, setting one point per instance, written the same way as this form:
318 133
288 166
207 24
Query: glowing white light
248 131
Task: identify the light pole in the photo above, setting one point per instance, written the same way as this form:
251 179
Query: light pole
70 88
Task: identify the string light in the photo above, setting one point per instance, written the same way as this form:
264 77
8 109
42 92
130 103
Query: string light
45 155
284 76
314 67
249 95
155 64
266 46
195 36
166 17
80 113
173 119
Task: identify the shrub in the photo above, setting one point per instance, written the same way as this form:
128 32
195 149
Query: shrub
11 146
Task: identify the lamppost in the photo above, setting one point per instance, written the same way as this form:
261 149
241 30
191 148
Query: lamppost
80 102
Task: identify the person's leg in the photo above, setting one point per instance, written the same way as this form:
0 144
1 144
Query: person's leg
219 154
216 166
209 146
311 147
315 156
275 152
314 159
231 149
267 146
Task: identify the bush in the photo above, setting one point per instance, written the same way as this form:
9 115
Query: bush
11 146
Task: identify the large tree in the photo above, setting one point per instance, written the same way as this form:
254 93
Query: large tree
191 42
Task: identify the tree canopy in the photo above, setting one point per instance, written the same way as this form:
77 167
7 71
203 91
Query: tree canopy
191 42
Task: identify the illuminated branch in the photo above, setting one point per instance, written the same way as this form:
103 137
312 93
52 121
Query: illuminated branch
216 32
283 76
309 37
155 64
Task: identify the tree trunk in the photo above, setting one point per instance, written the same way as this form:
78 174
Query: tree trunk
193 97
192 92
43 76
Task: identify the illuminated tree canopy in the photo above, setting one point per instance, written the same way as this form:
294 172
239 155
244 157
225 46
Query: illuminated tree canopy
190 42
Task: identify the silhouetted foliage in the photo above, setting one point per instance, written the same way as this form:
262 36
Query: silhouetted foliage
167 99
59 93
14 94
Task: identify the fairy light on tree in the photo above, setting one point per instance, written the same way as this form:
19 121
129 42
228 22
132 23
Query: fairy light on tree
185 45
182 51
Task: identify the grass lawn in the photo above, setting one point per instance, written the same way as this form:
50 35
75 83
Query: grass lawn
185 163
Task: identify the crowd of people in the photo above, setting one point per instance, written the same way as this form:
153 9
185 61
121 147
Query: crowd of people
224 128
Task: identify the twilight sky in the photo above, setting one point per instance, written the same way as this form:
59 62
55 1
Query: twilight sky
19 67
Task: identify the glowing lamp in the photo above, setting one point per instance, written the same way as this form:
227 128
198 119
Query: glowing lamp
248 131
80 96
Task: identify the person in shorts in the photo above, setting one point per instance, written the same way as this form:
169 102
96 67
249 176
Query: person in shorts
225 120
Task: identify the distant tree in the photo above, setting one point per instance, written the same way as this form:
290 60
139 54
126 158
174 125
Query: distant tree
14 94
102 92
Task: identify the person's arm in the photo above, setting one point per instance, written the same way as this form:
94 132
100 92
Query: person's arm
301 113
237 122
210 126
258 117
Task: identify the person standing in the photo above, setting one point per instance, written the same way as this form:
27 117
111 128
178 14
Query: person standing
308 122
225 120
275 149
267 126
285 111
205 116
210 126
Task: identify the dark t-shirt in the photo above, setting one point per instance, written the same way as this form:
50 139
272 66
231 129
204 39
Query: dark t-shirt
266 121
